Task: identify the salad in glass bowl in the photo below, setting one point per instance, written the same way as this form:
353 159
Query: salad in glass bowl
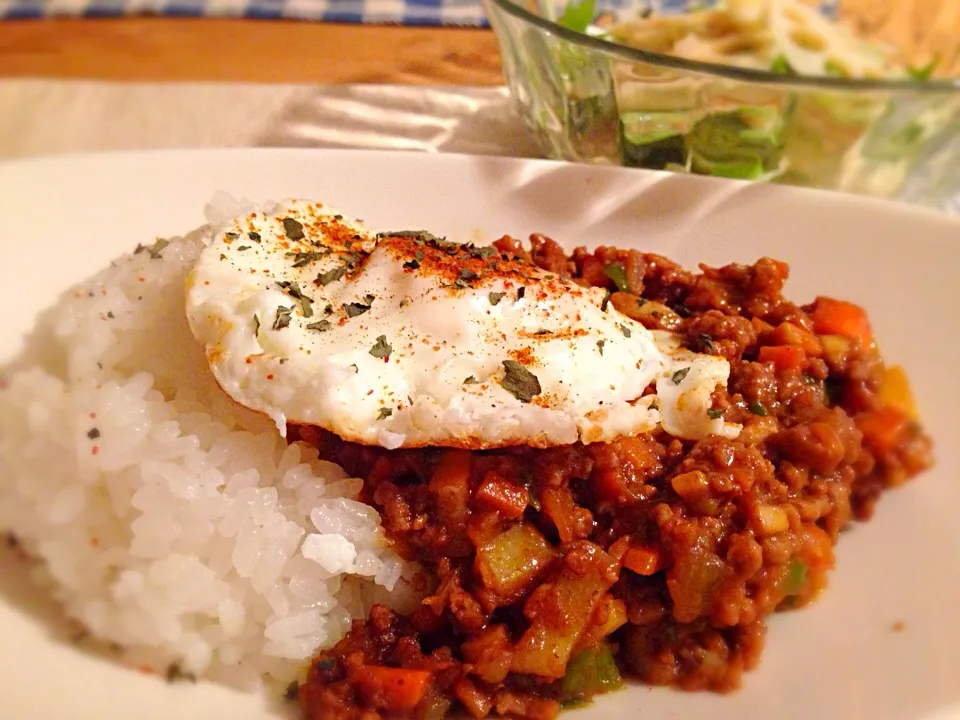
770 90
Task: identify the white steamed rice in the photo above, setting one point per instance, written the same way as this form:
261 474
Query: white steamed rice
169 520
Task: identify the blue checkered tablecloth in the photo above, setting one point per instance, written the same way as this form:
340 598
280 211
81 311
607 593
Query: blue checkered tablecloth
403 12
429 13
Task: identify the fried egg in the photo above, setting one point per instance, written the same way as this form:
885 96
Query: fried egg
404 339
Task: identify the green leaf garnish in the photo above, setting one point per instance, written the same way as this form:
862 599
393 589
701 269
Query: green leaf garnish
714 413
384 413
707 342
781 66
578 15
679 375
925 72
757 409
835 68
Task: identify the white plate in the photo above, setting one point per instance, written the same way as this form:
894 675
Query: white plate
840 659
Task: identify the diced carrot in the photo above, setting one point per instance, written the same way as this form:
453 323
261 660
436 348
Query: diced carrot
883 429
783 357
558 506
505 496
643 561
390 688
450 484
895 391
836 317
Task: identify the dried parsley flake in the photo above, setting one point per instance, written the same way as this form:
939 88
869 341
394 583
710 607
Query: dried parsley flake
154 250
176 674
519 382
293 289
679 375
495 297
354 309
384 413
330 276
283 317
302 259
381 348
293 228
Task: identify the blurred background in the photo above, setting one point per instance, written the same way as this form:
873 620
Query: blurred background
548 78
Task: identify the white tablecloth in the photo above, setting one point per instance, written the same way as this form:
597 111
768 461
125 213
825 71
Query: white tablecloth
39 117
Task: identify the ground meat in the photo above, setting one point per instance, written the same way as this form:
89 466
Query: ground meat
553 567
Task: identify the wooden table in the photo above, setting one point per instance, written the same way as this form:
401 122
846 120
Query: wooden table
294 52
175 49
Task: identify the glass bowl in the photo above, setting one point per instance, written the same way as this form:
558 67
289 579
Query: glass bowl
588 99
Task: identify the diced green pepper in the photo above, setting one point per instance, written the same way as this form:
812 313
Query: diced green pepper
795 579
619 276
590 673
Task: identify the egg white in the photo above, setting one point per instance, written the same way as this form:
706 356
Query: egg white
407 340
